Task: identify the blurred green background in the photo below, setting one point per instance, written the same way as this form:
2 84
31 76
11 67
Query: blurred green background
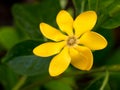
19 34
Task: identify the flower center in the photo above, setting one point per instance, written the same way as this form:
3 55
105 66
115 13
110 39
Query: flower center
71 41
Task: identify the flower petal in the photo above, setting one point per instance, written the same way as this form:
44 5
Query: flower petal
48 49
93 40
51 32
81 57
65 22
84 22
59 63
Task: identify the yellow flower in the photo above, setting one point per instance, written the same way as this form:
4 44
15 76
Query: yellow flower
73 44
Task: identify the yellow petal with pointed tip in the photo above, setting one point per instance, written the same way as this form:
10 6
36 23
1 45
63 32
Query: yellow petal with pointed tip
81 57
84 22
51 32
48 49
59 63
93 40
65 22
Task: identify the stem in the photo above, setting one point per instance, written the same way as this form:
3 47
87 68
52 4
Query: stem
114 68
105 81
82 5
20 83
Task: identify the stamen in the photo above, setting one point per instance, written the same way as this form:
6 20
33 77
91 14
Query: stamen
71 41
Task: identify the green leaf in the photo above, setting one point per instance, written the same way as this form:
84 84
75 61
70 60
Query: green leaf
21 59
30 65
112 12
22 49
96 5
103 4
115 10
112 23
8 37
28 16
